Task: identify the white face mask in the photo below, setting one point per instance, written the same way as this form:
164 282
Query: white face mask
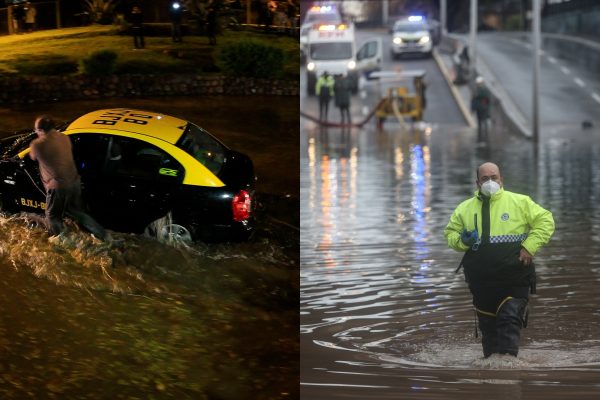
490 187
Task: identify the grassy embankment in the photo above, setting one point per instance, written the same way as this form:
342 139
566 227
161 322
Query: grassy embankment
161 55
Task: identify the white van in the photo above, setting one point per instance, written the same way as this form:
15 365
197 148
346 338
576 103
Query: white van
332 48
317 14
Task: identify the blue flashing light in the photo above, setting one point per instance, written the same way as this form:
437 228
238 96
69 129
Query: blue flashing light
415 18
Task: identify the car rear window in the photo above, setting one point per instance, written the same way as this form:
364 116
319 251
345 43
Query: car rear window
203 147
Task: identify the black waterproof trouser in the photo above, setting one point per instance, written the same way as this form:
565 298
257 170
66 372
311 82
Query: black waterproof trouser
501 318
324 107
67 201
482 126
138 37
345 111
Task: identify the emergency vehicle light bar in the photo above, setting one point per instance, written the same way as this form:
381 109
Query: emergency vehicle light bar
340 27
322 9
415 18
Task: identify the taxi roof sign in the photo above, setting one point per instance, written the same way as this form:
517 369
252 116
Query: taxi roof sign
156 125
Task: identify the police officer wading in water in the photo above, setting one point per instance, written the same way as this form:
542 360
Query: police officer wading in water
500 232
53 152
324 89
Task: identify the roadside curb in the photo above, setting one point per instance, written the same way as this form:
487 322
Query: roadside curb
457 96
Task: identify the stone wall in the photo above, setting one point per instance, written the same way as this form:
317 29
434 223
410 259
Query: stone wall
31 89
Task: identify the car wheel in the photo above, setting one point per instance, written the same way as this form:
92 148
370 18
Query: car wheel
174 233
166 231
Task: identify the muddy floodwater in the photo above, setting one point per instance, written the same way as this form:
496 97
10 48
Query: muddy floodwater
383 314
141 319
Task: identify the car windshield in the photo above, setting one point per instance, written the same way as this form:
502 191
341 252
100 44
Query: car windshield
331 51
410 27
203 147
13 145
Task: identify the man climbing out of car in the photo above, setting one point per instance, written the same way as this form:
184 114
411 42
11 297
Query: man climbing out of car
53 152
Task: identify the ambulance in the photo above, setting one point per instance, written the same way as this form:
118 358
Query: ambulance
317 14
332 48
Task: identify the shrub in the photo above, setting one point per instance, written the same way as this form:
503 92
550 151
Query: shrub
101 62
54 65
251 58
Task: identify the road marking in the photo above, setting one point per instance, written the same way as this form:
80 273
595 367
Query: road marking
552 60
579 82
596 97
565 70
363 94
365 110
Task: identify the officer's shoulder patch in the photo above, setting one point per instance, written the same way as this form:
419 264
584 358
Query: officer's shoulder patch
505 217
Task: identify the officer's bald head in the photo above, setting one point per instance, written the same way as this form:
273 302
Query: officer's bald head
488 171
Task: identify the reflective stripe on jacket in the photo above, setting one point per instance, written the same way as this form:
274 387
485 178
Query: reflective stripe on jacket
505 223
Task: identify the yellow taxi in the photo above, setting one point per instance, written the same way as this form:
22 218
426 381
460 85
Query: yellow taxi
138 167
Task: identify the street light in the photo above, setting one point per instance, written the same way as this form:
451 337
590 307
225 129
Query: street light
443 17
535 27
472 41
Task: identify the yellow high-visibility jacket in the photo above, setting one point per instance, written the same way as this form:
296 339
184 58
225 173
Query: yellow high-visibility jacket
506 222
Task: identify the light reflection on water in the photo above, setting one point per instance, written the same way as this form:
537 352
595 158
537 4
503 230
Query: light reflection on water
378 288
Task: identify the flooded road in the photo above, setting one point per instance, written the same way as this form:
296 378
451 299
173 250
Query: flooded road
383 314
142 319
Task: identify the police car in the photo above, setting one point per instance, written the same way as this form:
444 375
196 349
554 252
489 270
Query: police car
136 168
411 35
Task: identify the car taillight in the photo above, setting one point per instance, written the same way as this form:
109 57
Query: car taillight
242 204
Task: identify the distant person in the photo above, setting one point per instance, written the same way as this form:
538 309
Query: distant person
265 17
53 152
30 14
211 24
18 18
324 89
480 103
290 14
499 232
137 27
342 93
238 10
176 13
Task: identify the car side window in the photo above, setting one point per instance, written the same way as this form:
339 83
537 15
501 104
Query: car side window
136 158
369 50
89 152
